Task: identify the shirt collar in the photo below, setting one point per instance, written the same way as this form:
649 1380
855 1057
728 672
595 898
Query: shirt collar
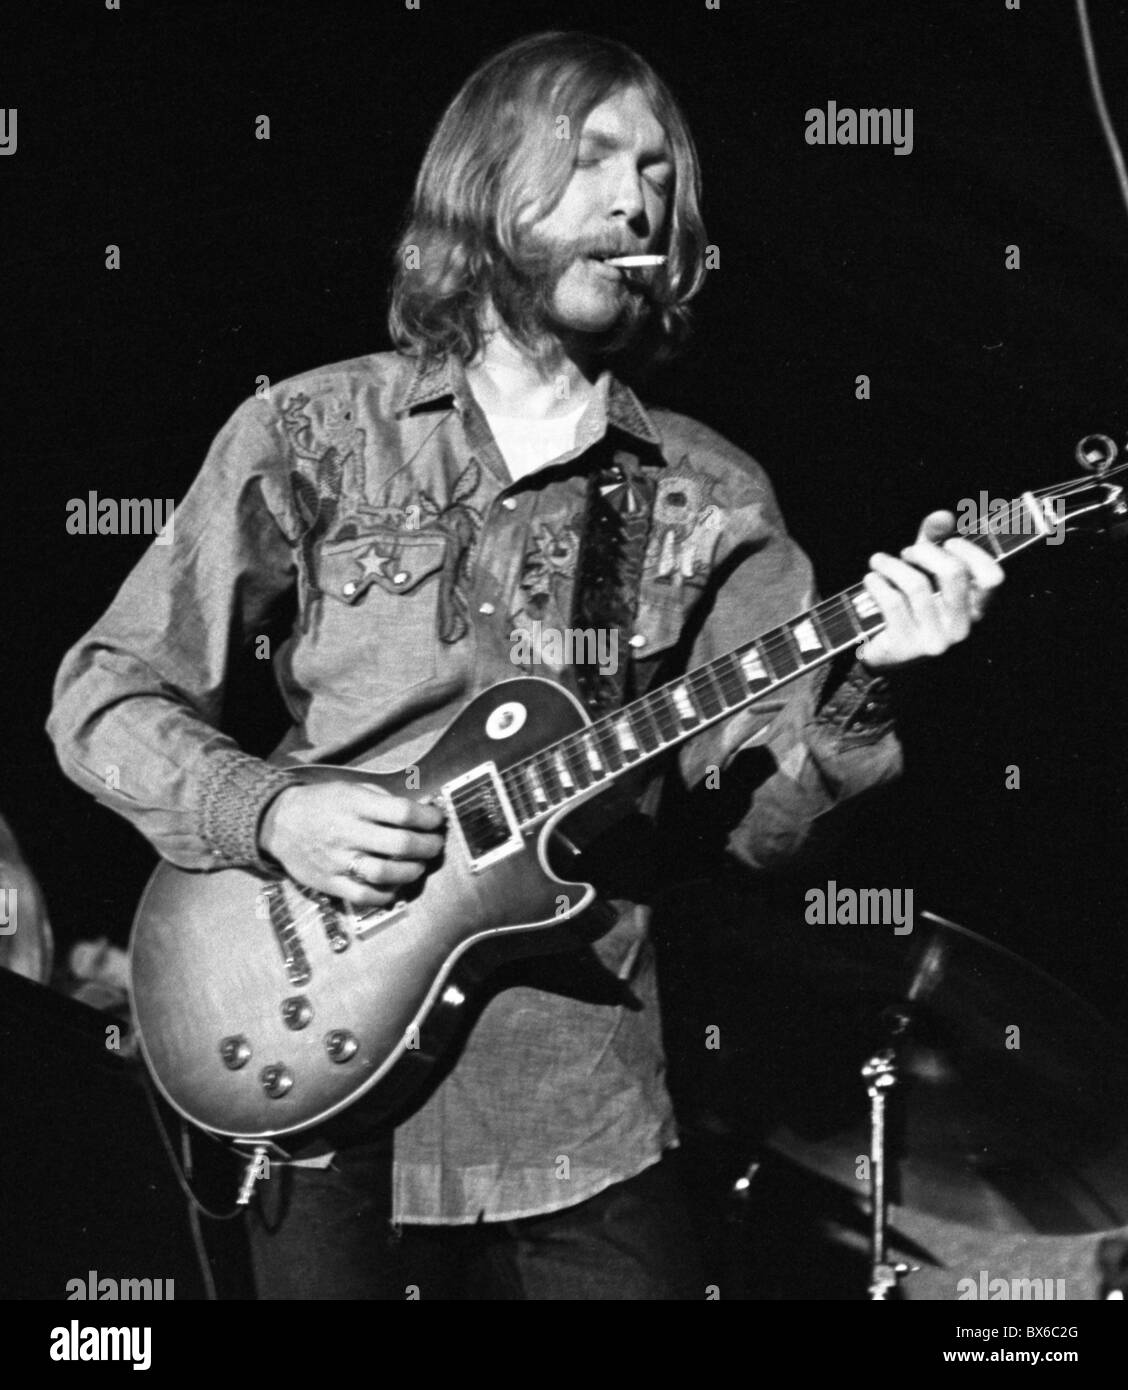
431 380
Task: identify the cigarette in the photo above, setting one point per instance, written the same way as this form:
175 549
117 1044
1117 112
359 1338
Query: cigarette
629 262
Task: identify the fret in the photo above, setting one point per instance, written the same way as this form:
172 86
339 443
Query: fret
518 795
807 639
728 678
563 771
665 716
592 753
838 623
540 796
684 705
624 732
756 672
866 610
706 691
646 726
549 780
609 749
784 651
574 755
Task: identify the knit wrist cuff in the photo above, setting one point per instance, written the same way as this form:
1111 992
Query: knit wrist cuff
236 791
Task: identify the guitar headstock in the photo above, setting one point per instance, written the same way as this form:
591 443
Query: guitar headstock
1094 500
1100 501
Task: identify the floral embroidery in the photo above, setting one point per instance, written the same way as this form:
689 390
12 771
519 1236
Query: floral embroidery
549 569
686 528
460 523
317 500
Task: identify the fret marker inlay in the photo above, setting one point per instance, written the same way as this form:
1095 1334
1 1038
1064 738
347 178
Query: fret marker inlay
753 666
684 704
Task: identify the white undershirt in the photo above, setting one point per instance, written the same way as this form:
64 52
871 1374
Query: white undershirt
527 445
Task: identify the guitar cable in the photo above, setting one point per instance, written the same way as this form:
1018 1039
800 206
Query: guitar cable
1097 90
183 1172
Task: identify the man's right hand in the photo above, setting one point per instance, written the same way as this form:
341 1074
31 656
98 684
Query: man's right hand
317 831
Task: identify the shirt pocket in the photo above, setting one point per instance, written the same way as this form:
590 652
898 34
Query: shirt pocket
380 609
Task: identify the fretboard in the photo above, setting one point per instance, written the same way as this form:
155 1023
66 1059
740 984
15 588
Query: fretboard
617 743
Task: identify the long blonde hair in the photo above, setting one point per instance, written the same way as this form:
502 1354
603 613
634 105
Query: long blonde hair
496 159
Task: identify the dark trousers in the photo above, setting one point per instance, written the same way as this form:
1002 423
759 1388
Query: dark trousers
325 1234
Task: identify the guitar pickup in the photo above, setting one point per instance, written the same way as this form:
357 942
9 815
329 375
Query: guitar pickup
483 816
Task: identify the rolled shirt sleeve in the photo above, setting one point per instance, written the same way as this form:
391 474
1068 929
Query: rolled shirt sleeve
137 702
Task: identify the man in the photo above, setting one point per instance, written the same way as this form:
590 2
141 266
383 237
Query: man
427 509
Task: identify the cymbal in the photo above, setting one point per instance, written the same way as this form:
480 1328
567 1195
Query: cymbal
1012 1112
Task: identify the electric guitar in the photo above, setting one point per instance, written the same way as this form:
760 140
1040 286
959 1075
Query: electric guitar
264 1008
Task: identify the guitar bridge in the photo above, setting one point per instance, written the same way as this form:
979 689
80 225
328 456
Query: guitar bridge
294 957
483 816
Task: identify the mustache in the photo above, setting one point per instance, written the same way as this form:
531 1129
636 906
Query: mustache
552 258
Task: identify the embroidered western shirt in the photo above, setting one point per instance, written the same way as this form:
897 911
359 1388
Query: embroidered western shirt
373 492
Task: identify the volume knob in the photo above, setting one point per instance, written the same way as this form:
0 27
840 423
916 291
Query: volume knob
235 1051
296 1011
341 1045
276 1080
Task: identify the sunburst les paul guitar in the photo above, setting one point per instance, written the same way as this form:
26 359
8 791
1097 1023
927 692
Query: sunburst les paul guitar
264 1008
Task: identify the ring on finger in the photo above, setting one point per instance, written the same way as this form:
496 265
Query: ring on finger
353 871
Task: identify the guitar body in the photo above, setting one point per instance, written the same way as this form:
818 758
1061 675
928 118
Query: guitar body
263 1009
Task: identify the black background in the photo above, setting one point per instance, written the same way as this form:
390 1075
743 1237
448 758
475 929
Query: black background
243 257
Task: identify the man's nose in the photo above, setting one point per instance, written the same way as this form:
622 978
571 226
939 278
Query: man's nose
628 200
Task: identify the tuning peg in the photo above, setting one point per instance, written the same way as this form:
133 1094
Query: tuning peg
1096 453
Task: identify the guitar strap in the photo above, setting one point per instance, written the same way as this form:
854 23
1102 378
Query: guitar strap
620 504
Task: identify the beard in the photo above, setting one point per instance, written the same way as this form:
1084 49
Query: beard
524 292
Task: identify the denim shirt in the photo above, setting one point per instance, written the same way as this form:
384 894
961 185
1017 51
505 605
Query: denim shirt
373 493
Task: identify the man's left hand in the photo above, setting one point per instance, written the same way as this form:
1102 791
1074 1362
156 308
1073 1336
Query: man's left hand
930 597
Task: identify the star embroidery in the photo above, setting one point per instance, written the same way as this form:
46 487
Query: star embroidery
372 562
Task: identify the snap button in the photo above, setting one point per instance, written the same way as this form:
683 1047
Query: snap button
638 640
486 608
348 589
400 578
509 503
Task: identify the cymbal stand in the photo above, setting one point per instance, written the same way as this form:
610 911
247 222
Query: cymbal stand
881 1074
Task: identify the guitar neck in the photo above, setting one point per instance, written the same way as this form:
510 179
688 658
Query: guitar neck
618 743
